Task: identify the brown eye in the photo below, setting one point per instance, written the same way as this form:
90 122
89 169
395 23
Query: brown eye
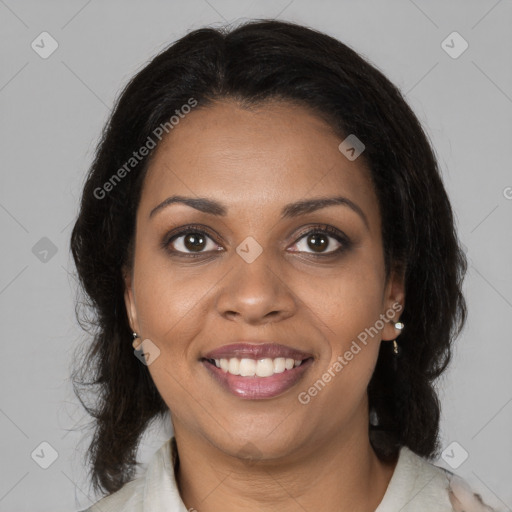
318 242
192 241
322 241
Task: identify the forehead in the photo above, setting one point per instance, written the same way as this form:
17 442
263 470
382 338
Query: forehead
266 156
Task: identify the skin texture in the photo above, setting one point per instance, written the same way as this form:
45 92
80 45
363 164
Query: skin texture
270 454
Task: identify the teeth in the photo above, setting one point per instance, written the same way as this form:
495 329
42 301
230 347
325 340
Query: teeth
233 366
264 368
279 365
247 367
259 368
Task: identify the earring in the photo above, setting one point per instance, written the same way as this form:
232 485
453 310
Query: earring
396 348
136 344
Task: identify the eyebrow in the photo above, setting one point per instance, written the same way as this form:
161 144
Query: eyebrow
205 205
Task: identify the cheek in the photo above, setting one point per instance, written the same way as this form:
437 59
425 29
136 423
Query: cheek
350 301
170 304
341 379
349 308
171 315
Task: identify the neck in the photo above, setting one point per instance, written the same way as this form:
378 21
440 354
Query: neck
330 473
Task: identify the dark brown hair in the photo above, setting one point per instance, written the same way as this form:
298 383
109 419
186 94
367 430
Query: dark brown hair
253 63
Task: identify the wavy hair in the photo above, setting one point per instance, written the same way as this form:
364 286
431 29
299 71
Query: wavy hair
260 61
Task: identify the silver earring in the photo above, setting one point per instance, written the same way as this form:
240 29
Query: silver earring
396 348
136 344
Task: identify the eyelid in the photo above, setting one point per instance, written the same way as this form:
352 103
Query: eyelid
332 232
184 230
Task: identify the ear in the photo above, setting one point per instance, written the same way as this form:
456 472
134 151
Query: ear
129 300
394 303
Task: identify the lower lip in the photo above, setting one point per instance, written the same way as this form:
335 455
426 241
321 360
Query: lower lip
254 388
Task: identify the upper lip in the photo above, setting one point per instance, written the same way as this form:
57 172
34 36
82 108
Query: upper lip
256 350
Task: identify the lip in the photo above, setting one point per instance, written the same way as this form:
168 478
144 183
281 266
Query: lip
255 350
257 388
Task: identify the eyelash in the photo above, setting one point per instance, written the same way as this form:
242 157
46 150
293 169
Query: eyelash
325 229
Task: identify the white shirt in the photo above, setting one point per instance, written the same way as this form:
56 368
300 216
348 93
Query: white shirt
415 486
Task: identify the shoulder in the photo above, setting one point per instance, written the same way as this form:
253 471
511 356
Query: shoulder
129 498
155 490
417 485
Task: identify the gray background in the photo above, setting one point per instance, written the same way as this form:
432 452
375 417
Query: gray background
52 111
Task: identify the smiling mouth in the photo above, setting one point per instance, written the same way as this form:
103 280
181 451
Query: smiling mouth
253 370
256 379
264 367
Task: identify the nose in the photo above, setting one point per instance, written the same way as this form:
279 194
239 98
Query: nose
255 293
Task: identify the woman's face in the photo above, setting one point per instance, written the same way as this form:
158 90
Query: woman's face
258 277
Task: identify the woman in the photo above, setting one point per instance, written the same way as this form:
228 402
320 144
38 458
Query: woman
265 217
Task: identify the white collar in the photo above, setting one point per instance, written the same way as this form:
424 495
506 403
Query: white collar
415 486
